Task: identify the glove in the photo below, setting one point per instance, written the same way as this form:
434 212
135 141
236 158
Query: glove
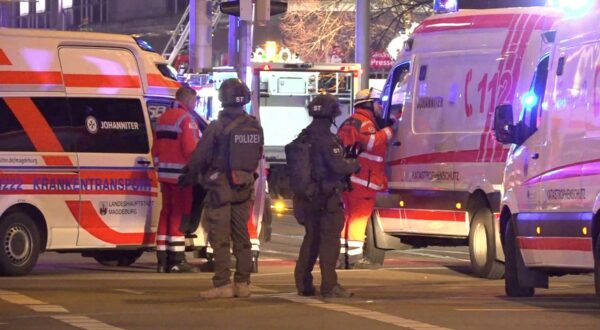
182 181
185 179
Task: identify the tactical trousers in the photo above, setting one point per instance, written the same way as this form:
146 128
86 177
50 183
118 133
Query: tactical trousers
323 220
170 240
229 221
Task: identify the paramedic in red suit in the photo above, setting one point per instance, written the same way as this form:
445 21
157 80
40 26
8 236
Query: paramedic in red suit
362 129
176 136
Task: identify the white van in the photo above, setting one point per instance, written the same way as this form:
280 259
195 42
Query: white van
445 168
551 188
76 171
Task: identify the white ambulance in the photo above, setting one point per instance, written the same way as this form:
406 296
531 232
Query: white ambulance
76 172
551 189
444 167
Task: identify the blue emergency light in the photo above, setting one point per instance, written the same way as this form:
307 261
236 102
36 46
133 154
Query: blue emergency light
573 7
529 100
445 6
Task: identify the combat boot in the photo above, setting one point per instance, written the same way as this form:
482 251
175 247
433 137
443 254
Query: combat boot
241 290
308 292
225 291
183 267
337 292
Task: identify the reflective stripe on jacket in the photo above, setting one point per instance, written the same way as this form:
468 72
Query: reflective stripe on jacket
176 135
361 128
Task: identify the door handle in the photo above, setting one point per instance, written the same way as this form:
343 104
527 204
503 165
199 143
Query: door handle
144 162
535 155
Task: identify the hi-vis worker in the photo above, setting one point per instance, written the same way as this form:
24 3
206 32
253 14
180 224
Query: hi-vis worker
365 129
176 136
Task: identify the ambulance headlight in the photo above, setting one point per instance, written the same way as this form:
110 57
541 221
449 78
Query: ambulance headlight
445 6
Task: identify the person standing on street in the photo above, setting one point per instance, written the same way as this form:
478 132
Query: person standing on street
225 162
176 136
320 209
363 129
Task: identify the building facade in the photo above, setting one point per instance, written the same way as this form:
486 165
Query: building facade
152 19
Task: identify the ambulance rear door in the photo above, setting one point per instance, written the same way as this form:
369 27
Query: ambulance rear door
117 184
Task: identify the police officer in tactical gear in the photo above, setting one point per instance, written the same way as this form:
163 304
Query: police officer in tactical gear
322 214
225 162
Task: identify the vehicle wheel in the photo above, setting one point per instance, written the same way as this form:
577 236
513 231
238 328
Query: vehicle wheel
513 258
267 220
597 266
373 254
482 246
20 244
117 258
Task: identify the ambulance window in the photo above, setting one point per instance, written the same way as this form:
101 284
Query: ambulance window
53 111
533 100
394 94
167 71
110 125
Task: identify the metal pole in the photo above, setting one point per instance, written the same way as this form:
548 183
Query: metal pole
363 44
232 49
200 36
245 49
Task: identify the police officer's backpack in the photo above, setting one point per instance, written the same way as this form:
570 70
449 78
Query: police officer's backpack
245 144
299 165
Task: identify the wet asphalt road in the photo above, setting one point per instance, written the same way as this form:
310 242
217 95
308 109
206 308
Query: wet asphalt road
416 289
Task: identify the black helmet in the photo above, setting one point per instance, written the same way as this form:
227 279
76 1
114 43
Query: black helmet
324 106
233 92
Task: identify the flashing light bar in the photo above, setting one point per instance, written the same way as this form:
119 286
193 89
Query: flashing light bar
445 6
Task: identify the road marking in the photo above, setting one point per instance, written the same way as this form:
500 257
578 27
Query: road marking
298 237
433 255
48 308
413 268
550 310
84 322
364 313
18 299
128 291
254 288
278 252
448 251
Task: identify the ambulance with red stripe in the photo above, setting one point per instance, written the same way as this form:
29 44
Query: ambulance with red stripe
76 171
445 167
551 192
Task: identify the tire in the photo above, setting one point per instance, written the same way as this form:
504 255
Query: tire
20 244
117 258
513 258
597 266
374 255
482 246
267 221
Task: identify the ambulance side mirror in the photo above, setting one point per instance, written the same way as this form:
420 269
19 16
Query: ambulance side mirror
504 128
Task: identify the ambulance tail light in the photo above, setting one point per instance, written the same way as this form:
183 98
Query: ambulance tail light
445 6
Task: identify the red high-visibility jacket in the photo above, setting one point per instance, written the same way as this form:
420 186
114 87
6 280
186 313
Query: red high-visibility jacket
175 138
361 128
